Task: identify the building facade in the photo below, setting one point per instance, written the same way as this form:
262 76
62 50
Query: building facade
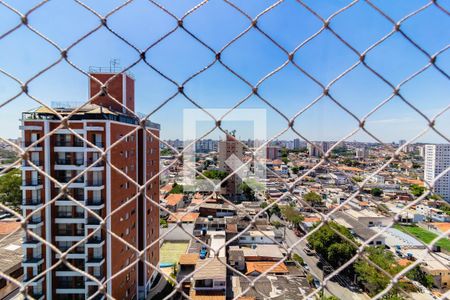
437 160
103 189
273 152
229 147
314 150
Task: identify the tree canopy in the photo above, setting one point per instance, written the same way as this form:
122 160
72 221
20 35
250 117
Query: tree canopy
292 215
313 198
10 193
215 174
330 245
374 281
377 192
416 190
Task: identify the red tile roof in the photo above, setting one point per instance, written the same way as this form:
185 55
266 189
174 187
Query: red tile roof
174 199
262 266
6 227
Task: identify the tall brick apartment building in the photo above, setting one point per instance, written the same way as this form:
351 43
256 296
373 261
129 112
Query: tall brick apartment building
102 189
228 147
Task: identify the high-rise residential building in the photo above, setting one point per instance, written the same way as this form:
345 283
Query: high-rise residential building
230 147
297 144
205 146
361 153
273 152
102 189
315 152
437 160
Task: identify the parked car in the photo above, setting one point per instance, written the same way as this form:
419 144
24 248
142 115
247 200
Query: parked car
308 251
203 252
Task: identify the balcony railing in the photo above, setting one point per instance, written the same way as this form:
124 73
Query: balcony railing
33 221
79 197
64 268
70 284
70 233
69 215
99 164
30 240
77 250
93 221
32 182
97 143
32 260
95 183
67 179
35 201
99 276
96 201
29 143
66 161
95 240
36 162
63 143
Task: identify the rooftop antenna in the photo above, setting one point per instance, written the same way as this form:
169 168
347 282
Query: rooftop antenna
113 63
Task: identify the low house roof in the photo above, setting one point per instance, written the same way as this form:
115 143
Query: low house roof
174 199
351 169
442 226
311 220
263 266
210 295
410 181
183 216
188 259
214 269
6 227
167 188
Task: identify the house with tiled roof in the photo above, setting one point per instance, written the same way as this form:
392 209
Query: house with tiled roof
256 268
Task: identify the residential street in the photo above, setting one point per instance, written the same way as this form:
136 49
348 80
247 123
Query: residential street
333 287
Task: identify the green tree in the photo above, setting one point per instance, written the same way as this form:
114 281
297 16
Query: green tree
357 178
215 174
340 252
329 298
10 193
332 246
418 275
277 224
264 205
275 209
375 281
376 192
163 223
351 162
313 198
295 170
416 190
298 258
370 277
166 152
176 189
292 215
309 279
247 191
9 156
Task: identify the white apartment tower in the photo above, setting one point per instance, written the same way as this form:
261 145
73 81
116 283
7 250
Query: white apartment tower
437 160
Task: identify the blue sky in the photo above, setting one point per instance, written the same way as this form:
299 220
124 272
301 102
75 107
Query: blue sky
23 54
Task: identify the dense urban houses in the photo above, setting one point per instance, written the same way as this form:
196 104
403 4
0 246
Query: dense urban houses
437 160
102 189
